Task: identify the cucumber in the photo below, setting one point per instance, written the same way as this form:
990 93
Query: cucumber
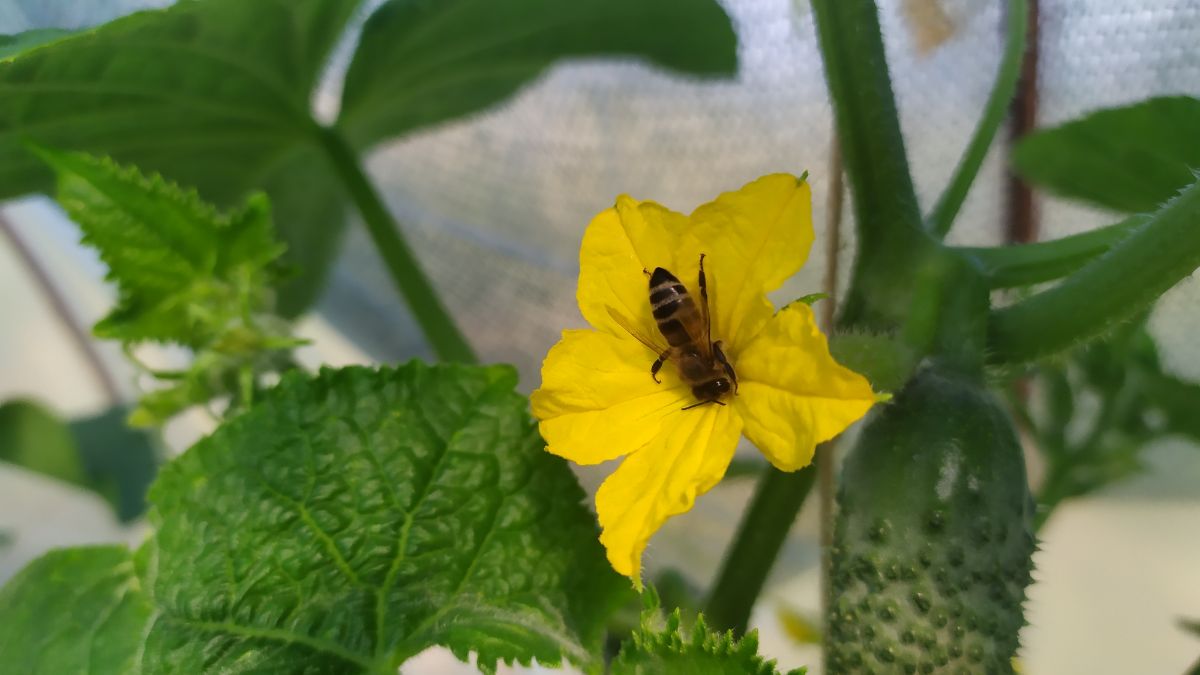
932 543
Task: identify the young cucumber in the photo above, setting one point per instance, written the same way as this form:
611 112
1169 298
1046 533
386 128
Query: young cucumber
932 546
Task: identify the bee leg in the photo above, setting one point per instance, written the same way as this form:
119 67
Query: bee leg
720 354
697 405
658 364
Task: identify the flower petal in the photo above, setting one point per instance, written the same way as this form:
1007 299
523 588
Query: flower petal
792 394
754 239
618 245
597 400
684 460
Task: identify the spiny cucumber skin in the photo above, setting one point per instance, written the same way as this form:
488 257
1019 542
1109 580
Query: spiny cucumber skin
932 545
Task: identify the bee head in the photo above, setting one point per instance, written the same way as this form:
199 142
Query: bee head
712 390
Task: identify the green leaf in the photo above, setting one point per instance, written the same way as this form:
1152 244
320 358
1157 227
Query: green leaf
421 63
34 438
12 45
99 453
120 461
216 94
77 610
1128 159
183 270
211 94
349 521
670 649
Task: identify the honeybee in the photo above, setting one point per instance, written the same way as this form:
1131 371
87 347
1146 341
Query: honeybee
687 328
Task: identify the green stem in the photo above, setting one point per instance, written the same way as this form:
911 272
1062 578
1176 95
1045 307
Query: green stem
994 112
777 499
1108 290
1025 264
447 342
890 232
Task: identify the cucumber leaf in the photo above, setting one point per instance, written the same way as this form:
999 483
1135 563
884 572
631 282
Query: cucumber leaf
351 520
77 610
1132 158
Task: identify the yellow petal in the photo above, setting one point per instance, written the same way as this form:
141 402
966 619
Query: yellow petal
619 245
684 460
792 394
597 400
754 239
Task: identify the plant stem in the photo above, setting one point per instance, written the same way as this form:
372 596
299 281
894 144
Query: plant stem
824 454
761 533
1111 288
948 205
1024 264
447 342
890 231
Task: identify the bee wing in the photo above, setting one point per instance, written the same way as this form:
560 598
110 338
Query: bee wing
625 322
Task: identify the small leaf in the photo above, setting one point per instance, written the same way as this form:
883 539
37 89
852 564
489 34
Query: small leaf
77 610
1190 625
183 270
421 63
1131 159
811 298
120 461
35 439
349 521
656 648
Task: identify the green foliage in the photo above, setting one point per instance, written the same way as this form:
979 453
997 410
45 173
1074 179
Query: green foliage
33 438
216 94
346 523
422 63
98 453
185 273
666 647
213 94
1026 264
1131 159
12 45
1138 403
78 610
361 516
121 461
1126 280
931 550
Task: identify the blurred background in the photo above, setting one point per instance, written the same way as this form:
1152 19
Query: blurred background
495 207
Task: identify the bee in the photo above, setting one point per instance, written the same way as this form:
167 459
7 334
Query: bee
687 328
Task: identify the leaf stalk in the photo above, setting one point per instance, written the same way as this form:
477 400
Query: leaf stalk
427 308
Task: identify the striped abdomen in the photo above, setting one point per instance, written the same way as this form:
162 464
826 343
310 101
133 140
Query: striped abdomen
679 320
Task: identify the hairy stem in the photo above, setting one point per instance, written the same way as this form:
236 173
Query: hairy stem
890 232
447 342
760 536
1110 289
948 205
1025 264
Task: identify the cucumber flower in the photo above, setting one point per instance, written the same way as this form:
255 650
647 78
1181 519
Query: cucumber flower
599 400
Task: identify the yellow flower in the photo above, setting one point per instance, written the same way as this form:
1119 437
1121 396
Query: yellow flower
598 400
